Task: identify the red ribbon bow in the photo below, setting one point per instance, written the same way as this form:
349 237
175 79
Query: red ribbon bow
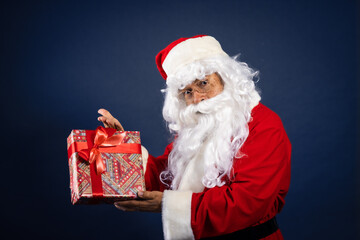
104 138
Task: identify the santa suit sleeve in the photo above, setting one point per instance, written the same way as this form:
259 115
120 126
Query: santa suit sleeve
254 195
153 168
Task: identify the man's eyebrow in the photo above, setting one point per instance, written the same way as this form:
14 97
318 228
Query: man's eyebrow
184 89
206 78
198 81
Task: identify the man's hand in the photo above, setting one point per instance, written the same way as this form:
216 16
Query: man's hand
147 202
108 120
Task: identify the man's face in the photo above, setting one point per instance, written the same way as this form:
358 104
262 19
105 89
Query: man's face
203 89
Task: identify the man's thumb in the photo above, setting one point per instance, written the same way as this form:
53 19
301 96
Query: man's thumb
144 195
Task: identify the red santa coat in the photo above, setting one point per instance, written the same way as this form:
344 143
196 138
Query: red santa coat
255 194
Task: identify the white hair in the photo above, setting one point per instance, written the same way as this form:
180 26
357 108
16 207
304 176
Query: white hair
213 130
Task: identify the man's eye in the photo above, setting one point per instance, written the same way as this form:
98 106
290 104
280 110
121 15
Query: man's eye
187 92
204 82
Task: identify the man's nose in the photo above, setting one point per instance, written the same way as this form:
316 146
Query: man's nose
198 97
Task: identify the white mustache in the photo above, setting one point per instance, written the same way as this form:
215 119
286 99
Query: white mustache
192 114
209 105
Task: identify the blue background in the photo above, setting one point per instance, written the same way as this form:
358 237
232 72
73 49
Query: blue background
63 60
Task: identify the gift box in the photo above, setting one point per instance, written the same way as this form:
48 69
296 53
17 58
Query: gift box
105 165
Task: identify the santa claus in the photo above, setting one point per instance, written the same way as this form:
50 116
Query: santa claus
227 171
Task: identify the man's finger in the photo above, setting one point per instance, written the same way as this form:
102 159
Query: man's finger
132 205
145 195
109 120
109 123
118 126
105 113
120 207
126 209
127 203
103 120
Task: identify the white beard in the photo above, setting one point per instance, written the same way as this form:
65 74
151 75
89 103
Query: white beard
210 136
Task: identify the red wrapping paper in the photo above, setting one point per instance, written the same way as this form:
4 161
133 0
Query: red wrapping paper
105 165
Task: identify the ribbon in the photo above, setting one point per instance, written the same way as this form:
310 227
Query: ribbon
98 141
104 138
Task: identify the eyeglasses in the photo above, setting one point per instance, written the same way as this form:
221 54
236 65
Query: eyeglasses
199 86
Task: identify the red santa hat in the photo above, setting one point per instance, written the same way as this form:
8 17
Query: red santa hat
186 50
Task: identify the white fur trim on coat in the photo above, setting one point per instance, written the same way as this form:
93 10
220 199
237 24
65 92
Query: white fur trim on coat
145 156
176 215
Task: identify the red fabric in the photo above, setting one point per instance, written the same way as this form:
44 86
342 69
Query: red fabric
257 191
160 57
154 167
